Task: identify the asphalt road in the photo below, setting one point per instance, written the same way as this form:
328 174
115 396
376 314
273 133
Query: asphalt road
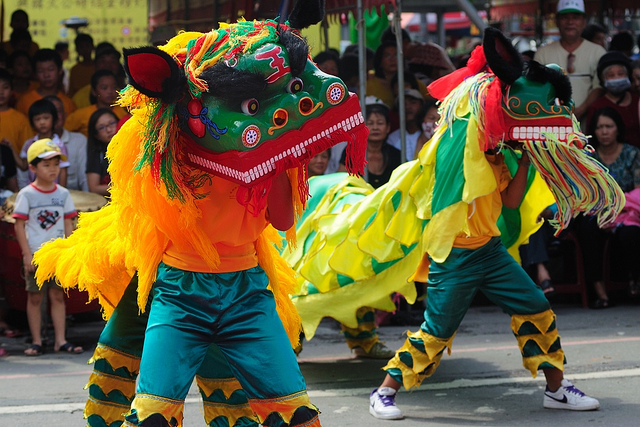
481 383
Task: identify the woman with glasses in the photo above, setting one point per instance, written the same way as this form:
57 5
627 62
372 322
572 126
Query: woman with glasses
102 127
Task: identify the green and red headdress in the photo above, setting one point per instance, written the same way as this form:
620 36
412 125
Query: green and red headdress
243 102
530 105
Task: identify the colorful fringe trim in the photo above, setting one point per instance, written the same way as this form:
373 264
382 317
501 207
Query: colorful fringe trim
579 183
538 340
419 357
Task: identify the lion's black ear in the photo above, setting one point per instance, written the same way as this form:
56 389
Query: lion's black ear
306 13
502 57
154 73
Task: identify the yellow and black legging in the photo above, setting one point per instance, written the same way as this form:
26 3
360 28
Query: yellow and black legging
452 287
366 334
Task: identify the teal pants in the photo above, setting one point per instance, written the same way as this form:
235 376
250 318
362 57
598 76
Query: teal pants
453 284
124 334
236 313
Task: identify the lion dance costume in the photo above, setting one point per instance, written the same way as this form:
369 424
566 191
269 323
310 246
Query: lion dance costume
360 248
222 127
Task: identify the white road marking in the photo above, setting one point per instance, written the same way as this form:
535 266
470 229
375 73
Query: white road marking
461 383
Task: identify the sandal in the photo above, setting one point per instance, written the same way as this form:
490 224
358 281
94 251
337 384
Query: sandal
34 350
602 303
69 348
547 287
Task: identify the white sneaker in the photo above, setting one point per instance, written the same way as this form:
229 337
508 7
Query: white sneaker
570 398
383 404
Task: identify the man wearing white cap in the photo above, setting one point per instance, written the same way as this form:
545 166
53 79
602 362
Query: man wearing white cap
577 56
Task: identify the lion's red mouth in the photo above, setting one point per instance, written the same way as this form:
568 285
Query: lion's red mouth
289 150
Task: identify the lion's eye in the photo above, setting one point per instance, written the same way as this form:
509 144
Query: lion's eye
250 106
295 85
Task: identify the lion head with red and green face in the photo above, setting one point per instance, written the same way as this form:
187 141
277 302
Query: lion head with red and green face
244 101
514 101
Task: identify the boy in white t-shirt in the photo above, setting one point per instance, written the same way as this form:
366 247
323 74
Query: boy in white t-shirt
44 211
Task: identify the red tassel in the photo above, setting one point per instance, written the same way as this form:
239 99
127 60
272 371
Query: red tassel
494 125
303 185
254 198
442 87
355 158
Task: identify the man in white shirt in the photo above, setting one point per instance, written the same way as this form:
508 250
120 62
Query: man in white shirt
577 56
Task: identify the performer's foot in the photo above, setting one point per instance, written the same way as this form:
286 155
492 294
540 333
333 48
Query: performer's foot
377 351
570 398
382 404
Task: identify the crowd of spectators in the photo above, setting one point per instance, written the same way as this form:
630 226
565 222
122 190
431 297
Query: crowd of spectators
40 98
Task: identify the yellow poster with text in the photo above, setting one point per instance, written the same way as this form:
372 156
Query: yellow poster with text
124 23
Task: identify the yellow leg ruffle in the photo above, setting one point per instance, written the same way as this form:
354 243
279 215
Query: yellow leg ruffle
419 357
112 386
116 358
538 340
366 343
110 412
285 406
146 405
232 409
109 383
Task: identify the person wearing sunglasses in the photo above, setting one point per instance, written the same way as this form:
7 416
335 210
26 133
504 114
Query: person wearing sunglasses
577 56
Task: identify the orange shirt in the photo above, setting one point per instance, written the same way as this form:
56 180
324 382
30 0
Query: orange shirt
484 212
229 226
82 96
15 127
80 76
78 121
30 97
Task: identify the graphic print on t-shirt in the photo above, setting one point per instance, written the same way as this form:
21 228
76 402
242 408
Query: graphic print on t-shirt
47 219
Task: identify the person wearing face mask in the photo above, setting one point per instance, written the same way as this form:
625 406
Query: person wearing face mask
431 118
614 71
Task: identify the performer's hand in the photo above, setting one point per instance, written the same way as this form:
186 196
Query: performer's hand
524 160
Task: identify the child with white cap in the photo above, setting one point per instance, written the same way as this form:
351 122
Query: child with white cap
43 211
